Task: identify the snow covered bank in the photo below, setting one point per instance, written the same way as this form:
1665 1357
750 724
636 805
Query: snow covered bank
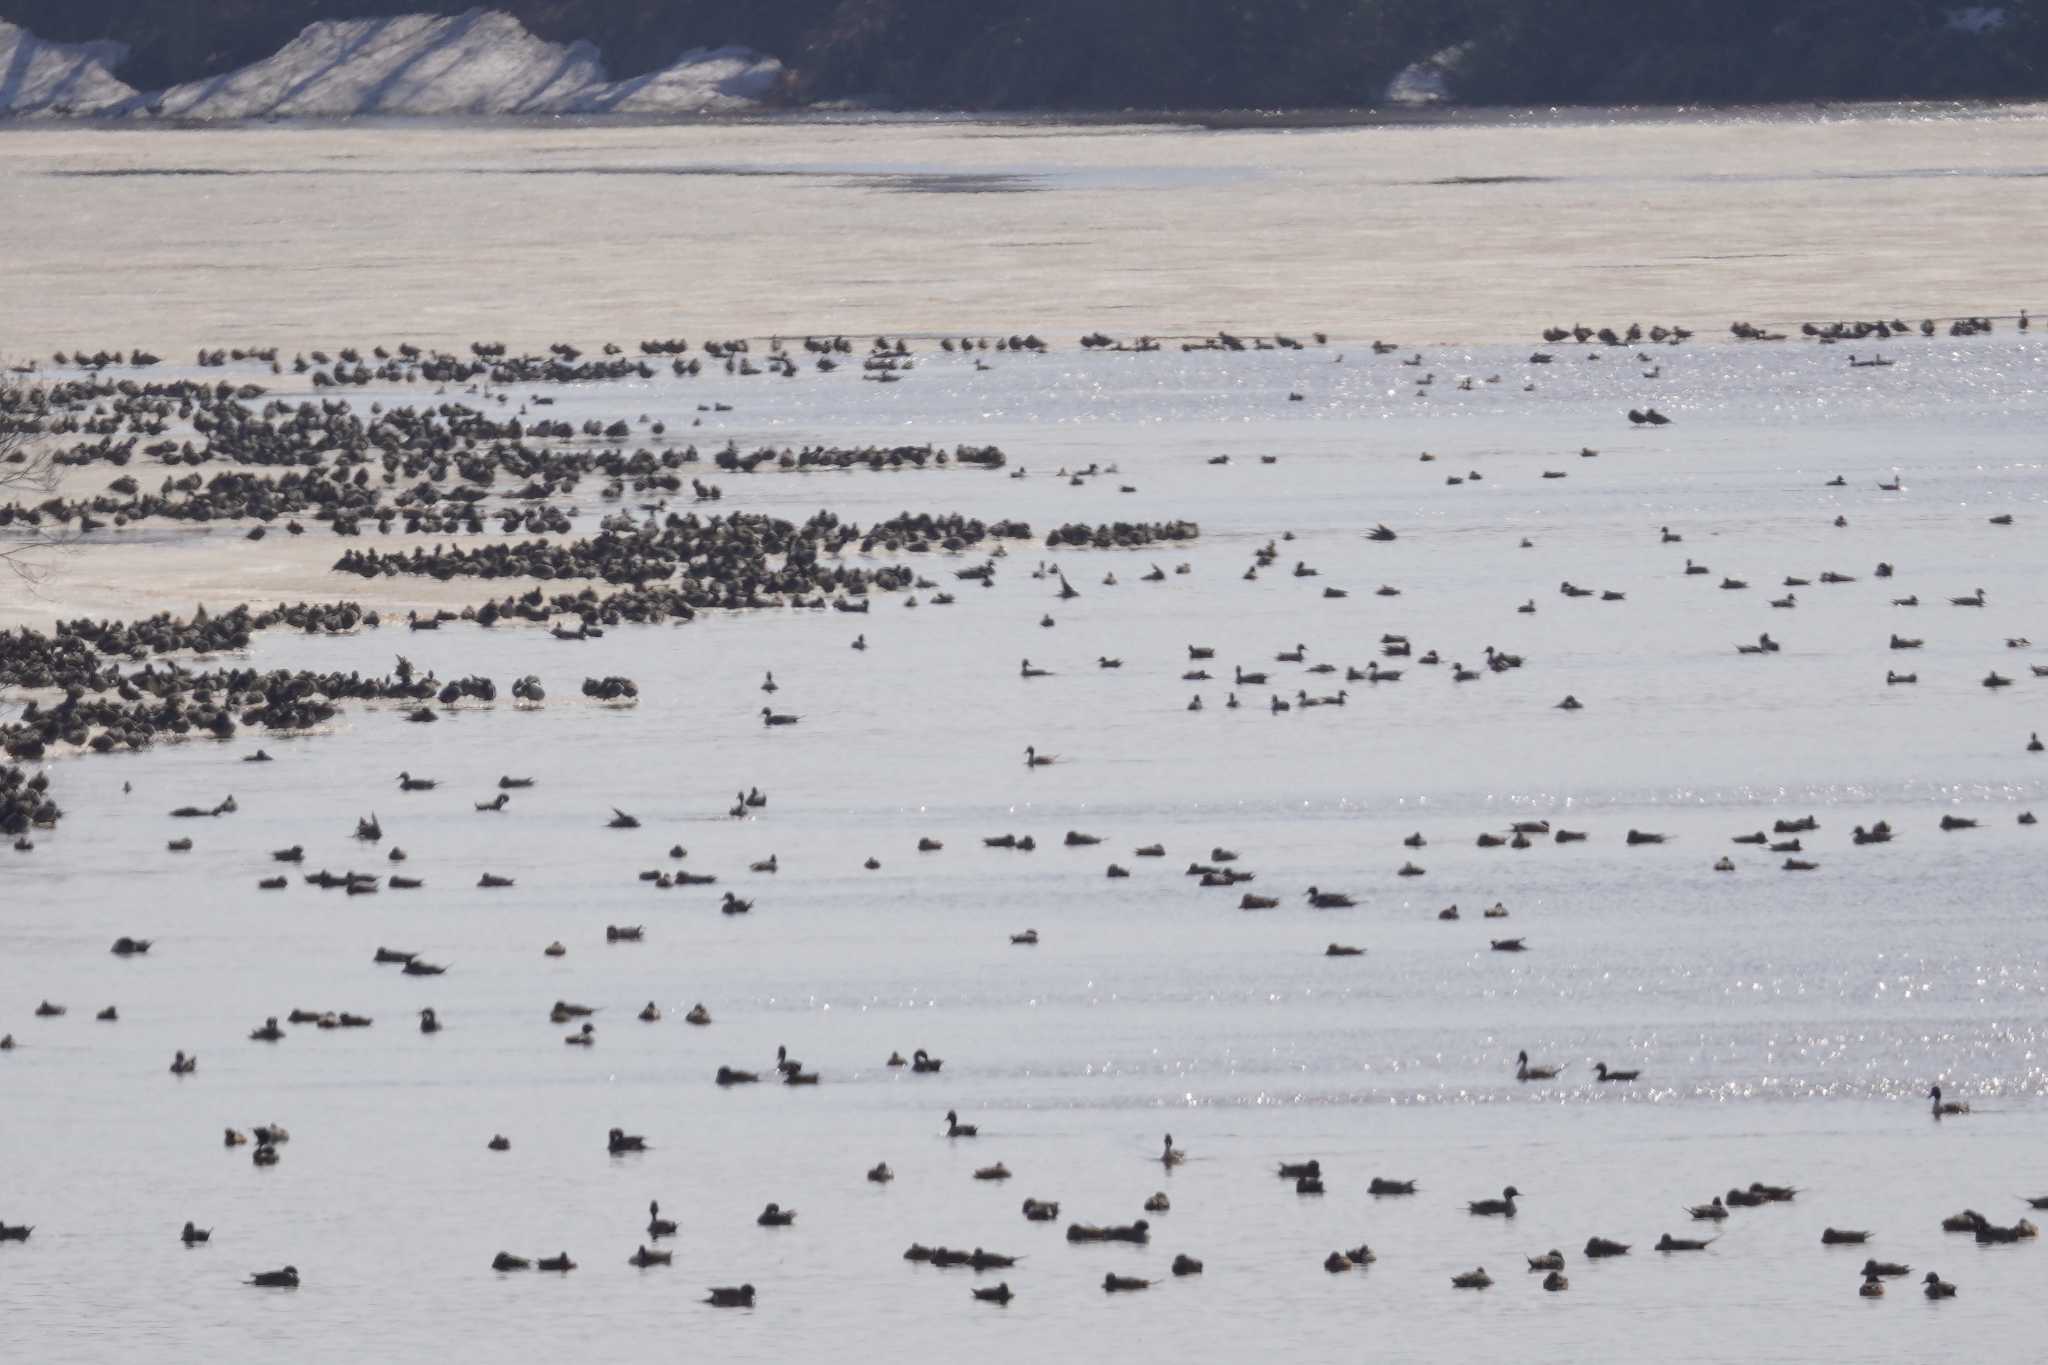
59 78
477 62
701 81
480 62
1433 80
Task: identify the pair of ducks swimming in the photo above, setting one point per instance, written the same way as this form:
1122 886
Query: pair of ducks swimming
506 1261
1933 1286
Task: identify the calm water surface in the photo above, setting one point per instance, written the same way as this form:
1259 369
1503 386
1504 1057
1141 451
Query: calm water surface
1786 1025
1481 230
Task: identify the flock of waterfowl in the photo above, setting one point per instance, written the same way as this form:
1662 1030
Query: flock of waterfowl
1308 1178
429 471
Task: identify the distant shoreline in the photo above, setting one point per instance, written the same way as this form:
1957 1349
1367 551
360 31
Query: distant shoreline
1310 119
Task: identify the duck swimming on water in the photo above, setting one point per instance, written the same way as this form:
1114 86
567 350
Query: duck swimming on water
1503 1207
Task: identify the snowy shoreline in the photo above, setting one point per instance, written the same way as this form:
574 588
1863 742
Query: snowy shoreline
478 63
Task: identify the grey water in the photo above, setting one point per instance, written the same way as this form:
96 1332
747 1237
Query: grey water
1467 229
1787 1025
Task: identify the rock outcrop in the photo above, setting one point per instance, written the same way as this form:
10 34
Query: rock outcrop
57 79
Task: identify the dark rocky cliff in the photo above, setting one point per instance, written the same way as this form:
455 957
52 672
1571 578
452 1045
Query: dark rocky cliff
1196 54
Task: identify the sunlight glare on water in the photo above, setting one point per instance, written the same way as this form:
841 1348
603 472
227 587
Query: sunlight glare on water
1786 1026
